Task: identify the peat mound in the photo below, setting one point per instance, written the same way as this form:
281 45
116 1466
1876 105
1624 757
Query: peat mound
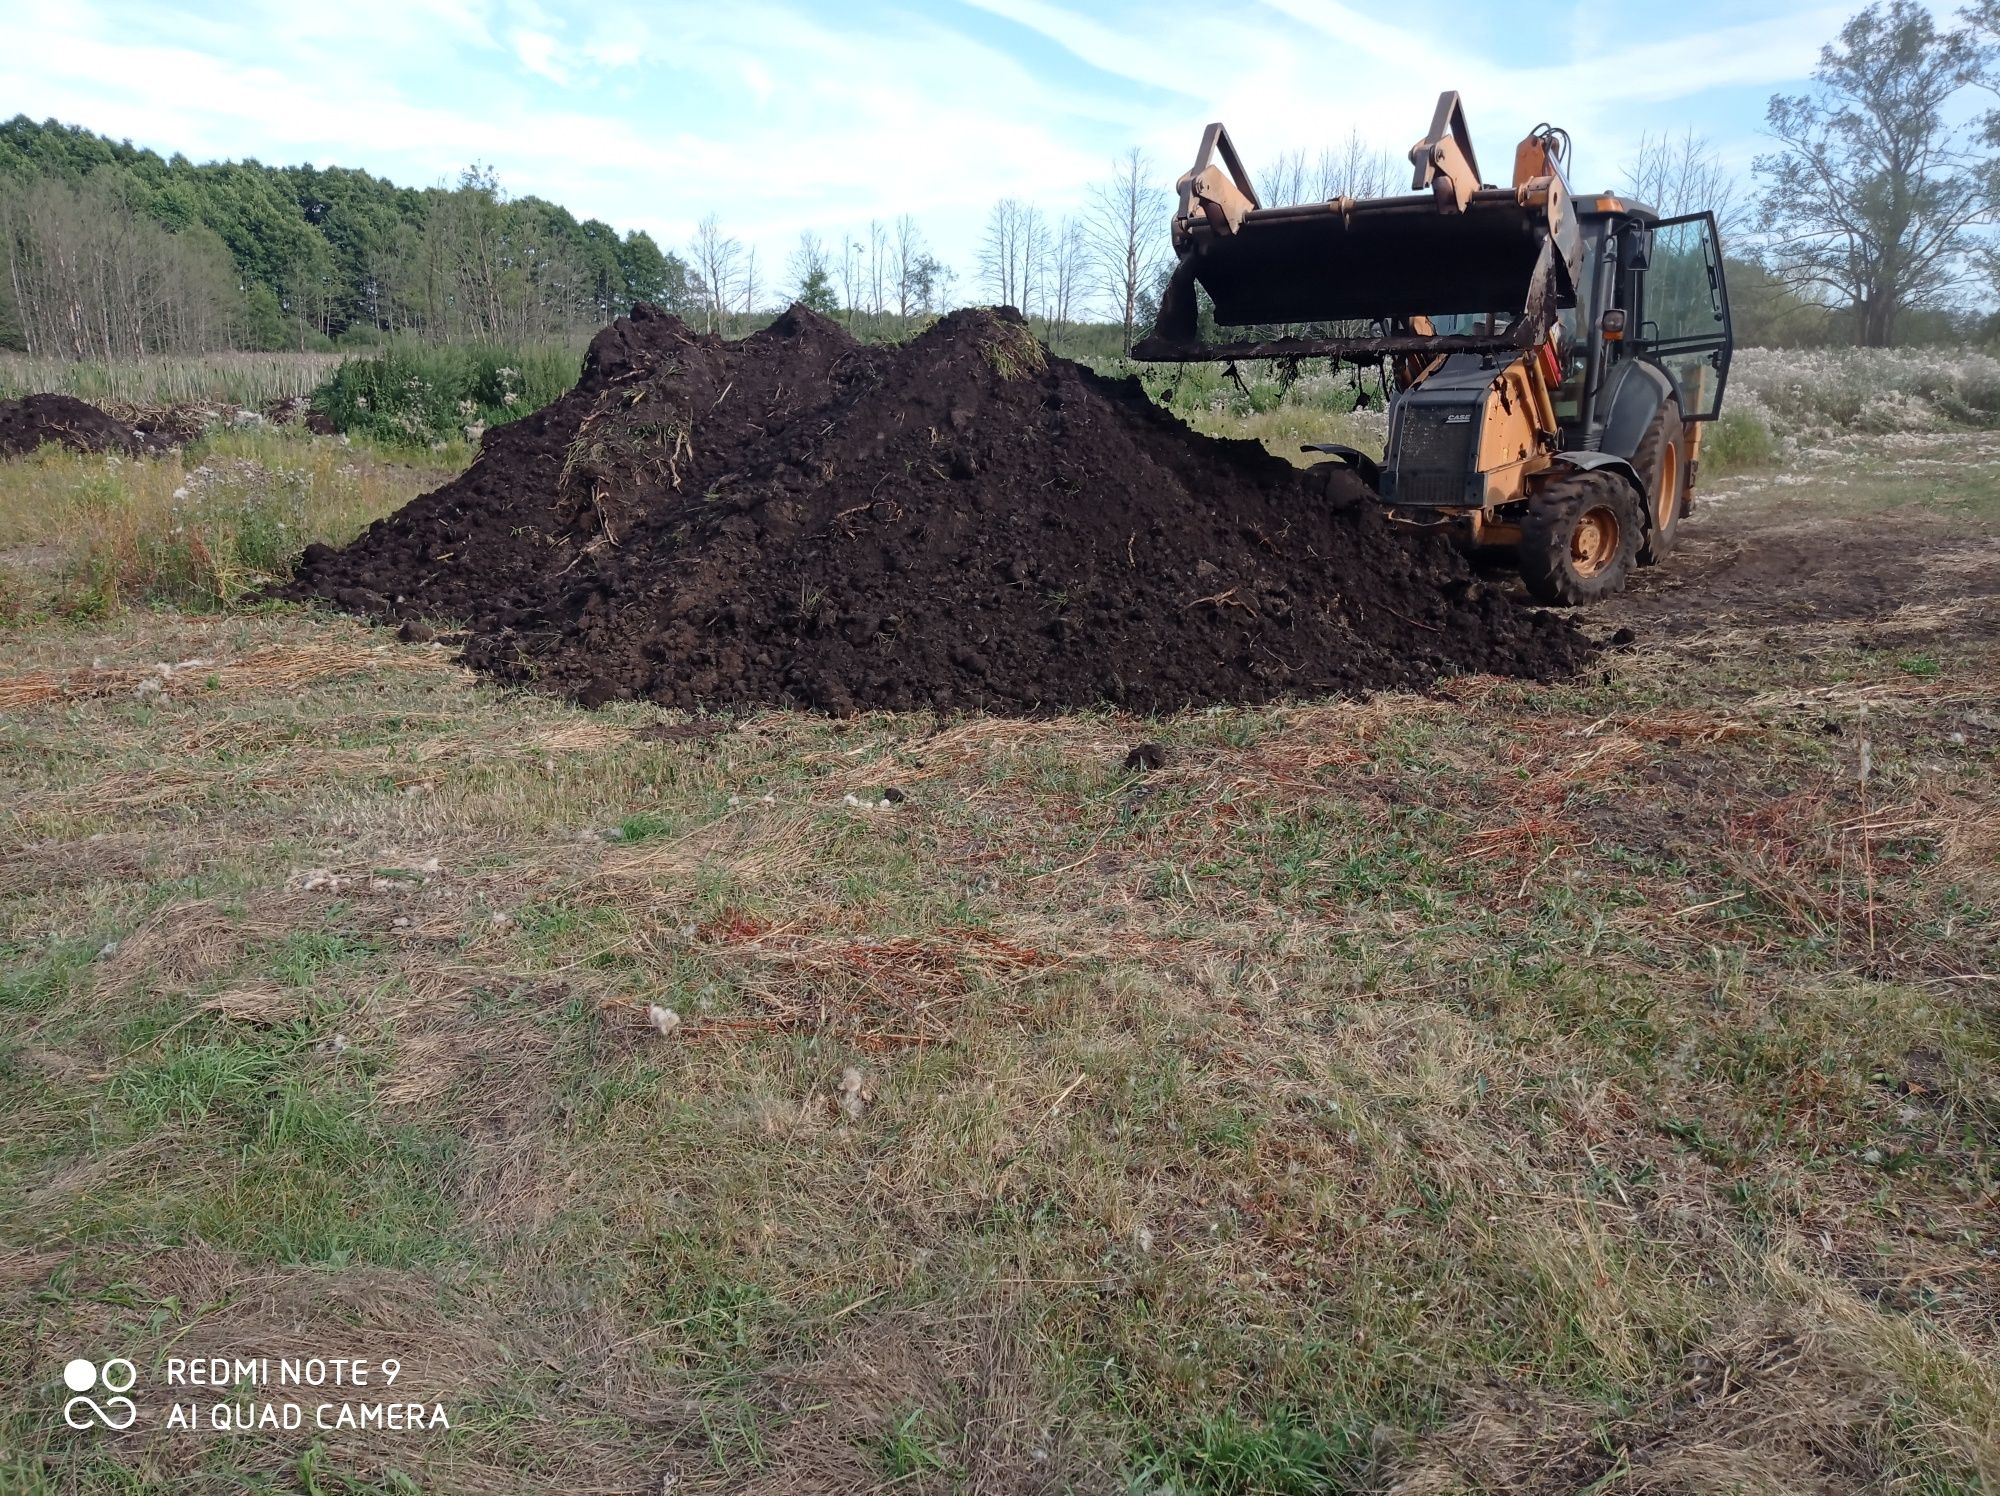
67 422
962 520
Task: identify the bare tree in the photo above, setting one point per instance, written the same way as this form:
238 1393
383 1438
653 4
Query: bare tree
1069 277
937 280
909 258
923 282
1126 232
715 257
1354 168
88 277
750 281
1003 251
1035 246
1684 174
1871 195
1284 181
878 269
850 275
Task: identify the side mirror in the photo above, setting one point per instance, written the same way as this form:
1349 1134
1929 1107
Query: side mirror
1635 249
1611 326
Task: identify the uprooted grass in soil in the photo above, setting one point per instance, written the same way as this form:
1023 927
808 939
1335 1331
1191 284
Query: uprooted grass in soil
1523 1088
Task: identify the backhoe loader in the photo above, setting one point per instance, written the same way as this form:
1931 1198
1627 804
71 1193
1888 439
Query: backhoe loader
1549 360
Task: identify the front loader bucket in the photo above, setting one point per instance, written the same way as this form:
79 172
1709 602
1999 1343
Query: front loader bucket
1509 253
1380 260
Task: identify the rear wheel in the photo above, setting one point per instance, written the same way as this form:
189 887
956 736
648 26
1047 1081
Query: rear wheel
1661 463
1579 539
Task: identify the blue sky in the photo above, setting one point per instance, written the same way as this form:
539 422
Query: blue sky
782 115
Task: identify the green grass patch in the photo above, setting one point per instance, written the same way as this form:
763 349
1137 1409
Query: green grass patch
189 1085
1282 1455
320 1178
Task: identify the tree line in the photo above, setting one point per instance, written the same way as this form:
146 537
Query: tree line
1868 220
111 250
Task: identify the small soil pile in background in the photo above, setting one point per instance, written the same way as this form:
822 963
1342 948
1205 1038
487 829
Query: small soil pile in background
67 422
962 520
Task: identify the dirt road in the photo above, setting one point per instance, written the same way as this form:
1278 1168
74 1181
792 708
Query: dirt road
1815 551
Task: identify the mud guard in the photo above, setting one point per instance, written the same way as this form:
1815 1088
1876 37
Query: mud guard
1641 390
1365 467
1601 462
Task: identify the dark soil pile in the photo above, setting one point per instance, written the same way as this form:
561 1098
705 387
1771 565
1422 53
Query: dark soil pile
67 422
959 521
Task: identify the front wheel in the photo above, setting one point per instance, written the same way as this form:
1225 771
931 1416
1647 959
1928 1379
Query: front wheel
1579 539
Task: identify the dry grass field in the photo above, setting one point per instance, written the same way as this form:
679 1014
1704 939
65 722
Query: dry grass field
248 379
1574 1088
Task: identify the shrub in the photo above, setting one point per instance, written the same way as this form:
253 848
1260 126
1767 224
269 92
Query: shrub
411 395
1738 439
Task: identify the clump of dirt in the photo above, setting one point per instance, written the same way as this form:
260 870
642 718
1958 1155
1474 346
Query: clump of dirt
68 422
962 520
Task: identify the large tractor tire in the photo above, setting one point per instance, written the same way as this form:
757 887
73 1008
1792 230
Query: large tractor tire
1661 463
1579 539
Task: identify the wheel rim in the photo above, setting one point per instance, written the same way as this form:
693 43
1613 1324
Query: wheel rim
1594 542
1668 500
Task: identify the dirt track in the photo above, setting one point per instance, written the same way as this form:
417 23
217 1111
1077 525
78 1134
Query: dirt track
1770 554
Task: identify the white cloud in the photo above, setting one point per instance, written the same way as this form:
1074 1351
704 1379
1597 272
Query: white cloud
537 51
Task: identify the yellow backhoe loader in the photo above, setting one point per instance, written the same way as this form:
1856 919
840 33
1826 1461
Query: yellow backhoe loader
1550 359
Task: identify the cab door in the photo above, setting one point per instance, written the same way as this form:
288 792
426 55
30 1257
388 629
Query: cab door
1684 311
